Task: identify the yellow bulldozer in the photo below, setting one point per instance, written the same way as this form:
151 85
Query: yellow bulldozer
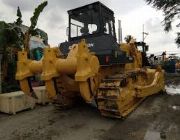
91 65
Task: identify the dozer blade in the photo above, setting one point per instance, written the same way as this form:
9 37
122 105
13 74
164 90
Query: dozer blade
119 96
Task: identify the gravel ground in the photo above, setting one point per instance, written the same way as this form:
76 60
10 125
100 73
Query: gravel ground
155 119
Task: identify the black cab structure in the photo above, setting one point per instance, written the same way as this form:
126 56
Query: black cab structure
96 24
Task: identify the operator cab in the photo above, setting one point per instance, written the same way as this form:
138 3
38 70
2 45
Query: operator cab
90 21
95 23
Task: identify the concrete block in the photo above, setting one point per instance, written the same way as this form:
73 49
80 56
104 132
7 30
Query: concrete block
42 95
14 102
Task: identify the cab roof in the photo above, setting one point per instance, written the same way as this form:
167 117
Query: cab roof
95 4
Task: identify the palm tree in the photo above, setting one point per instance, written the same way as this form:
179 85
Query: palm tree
32 31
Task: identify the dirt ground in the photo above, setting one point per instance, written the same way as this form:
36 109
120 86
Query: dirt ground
158 117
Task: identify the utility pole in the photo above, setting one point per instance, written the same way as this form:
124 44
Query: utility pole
144 34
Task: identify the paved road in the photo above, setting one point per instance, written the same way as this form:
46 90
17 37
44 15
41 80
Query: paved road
158 117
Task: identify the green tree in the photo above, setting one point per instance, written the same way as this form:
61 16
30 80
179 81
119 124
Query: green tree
12 38
11 34
19 15
34 19
171 10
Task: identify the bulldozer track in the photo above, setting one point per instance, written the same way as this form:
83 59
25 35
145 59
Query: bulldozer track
108 95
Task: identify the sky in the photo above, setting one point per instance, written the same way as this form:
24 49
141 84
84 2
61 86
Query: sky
132 13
